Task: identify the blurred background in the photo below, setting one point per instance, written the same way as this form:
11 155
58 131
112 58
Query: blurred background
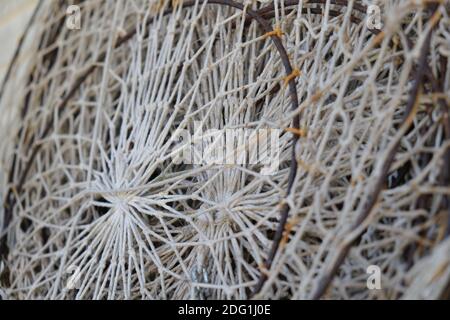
14 15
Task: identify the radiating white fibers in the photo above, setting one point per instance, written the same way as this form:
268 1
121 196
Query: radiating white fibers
90 189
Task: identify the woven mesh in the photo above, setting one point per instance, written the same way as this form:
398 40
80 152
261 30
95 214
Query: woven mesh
90 186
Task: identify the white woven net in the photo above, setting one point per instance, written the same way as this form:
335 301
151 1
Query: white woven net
91 191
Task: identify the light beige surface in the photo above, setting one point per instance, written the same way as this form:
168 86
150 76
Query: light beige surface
14 15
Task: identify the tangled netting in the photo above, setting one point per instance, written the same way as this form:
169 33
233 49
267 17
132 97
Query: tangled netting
94 205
